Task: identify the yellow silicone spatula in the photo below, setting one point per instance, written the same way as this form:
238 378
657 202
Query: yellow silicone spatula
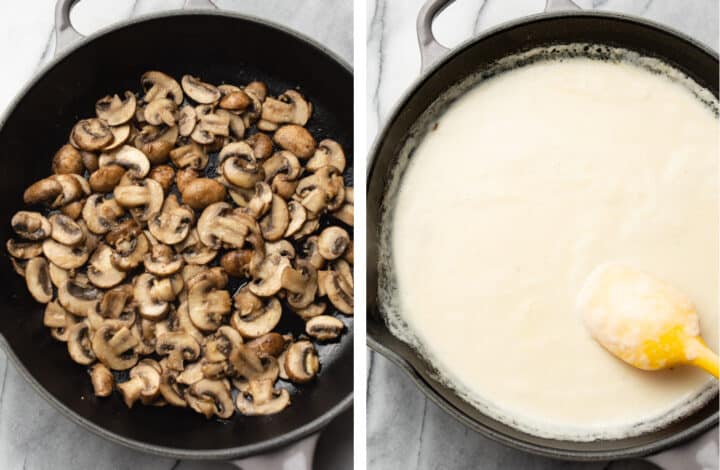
643 320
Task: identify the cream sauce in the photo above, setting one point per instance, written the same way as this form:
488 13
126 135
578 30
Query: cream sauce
529 181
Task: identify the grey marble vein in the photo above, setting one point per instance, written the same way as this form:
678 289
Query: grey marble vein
404 429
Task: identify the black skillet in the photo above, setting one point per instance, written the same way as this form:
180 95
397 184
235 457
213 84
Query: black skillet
650 39
219 47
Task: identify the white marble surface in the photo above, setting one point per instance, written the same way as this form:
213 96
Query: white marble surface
404 429
33 435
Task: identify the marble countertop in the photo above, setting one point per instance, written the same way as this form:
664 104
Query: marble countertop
404 429
33 435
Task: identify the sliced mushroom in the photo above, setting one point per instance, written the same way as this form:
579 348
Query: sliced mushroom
67 160
274 224
208 304
172 224
31 225
270 344
346 214
210 125
301 284
115 301
259 368
253 316
163 261
178 347
163 174
23 250
158 85
201 92
172 391
295 139
78 297
298 216
102 380
220 225
184 177
268 279
311 311
113 345
104 179
191 374
202 192
262 399
337 290
144 383
149 304
79 344
133 160
130 251
324 328
237 263
91 134
156 142
100 214
301 362
235 100
194 251
66 257
161 111
281 248
221 344
65 230
115 110
239 165
290 107
37 279
46 191
190 155
144 198
187 120
101 271
332 242
73 209
215 396
120 135
328 152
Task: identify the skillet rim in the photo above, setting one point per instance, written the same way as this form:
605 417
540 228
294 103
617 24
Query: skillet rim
420 378
228 453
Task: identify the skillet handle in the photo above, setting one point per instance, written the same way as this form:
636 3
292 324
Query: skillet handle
66 35
431 51
296 456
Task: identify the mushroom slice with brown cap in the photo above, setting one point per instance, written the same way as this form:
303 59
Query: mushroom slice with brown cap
346 214
172 391
253 316
237 263
115 301
79 344
156 142
213 392
220 225
296 139
343 269
274 224
102 380
67 160
133 160
37 279
268 280
161 111
270 344
120 135
301 362
45 191
91 134
269 371
113 345
234 99
66 257
104 179
210 125
100 214
311 311
194 251
239 165
78 297
144 198
199 91
115 110
282 162
163 174
73 209
328 152
31 225
201 192
298 216
338 291
187 120
144 383
130 251
301 284
178 347
73 186
65 230
261 144
163 261
172 224
262 399
310 251
101 271
290 107
332 242
190 155
221 344
207 304
54 316
23 250
158 85
324 328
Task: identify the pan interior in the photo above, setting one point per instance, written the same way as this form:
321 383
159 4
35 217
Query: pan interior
219 49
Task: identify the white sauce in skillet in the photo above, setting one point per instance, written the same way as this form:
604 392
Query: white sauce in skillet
529 181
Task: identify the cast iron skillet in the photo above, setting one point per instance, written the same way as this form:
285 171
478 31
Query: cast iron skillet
650 39
219 47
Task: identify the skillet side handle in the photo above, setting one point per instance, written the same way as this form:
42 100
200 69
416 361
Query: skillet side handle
560 5
65 34
296 456
431 51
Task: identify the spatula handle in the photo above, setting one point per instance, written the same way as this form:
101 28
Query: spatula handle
706 359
